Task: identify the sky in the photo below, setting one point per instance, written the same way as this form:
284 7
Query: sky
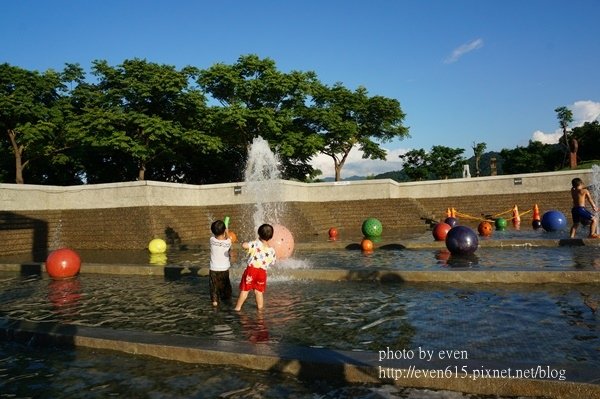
464 71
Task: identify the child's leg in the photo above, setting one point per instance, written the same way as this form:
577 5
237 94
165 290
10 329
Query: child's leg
212 284
593 226
241 300
259 299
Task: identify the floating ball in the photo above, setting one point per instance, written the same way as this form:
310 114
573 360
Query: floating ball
501 224
282 241
485 229
440 230
63 263
232 236
461 240
554 221
372 227
157 246
536 224
366 245
333 234
451 221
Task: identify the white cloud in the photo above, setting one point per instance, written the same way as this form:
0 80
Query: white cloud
583 111
357 166
463 49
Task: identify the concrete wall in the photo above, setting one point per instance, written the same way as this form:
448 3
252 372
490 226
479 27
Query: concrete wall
23 197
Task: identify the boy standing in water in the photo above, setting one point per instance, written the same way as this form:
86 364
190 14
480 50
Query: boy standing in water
218 275
580 214
261 256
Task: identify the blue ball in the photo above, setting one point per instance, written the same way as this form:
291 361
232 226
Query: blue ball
451 221
554 221
461 240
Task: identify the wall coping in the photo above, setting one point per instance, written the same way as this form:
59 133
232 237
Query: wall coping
22 197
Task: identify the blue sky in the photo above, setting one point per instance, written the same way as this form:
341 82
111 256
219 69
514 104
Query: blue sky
464 71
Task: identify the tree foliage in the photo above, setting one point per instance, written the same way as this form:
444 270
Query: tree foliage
346 119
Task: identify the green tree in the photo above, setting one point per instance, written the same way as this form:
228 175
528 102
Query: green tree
34 115
536 157
346 119
478 150
588 137
446 162
256 99
143 111
416 164
565 116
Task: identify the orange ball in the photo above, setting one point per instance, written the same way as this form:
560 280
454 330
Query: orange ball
440 231
485 229
232 236
366 245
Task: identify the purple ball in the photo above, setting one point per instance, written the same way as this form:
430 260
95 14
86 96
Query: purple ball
451 221
461 240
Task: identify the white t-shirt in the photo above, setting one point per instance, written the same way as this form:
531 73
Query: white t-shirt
219 254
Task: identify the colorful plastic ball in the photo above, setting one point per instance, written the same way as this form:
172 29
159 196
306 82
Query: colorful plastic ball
554 221
366 245
282 241
452 222
501 224
63 263
372 227
157 246
333 234
440 230
461 240
536 224
485 229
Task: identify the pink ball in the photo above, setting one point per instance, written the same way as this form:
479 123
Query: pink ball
282 242
63 263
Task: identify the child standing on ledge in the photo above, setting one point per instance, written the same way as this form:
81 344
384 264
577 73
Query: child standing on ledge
261 256
580 214
218 275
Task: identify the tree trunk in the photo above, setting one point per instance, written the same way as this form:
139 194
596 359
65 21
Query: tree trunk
142 172
12 135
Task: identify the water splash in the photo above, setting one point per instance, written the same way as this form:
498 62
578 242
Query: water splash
56 242
262 176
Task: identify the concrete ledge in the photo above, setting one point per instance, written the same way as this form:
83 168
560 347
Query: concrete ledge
302 362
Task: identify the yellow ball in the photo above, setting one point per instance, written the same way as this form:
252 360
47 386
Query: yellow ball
157 246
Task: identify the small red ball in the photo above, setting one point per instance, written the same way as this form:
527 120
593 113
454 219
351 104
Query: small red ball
440 231
333 233
63 263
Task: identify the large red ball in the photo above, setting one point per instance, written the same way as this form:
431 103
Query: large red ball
440 230
63 263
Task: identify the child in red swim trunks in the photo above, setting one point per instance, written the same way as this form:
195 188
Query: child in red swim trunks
255 276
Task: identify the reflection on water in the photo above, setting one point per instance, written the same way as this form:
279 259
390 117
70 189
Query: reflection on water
543 323
90 374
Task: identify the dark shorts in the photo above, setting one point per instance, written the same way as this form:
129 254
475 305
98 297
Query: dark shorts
581 215
254 278
220 285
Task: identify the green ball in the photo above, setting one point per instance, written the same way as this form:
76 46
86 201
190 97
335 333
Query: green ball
500 224
372 227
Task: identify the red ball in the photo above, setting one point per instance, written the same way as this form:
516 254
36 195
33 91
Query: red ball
485 229
333 233
63 263
440 231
